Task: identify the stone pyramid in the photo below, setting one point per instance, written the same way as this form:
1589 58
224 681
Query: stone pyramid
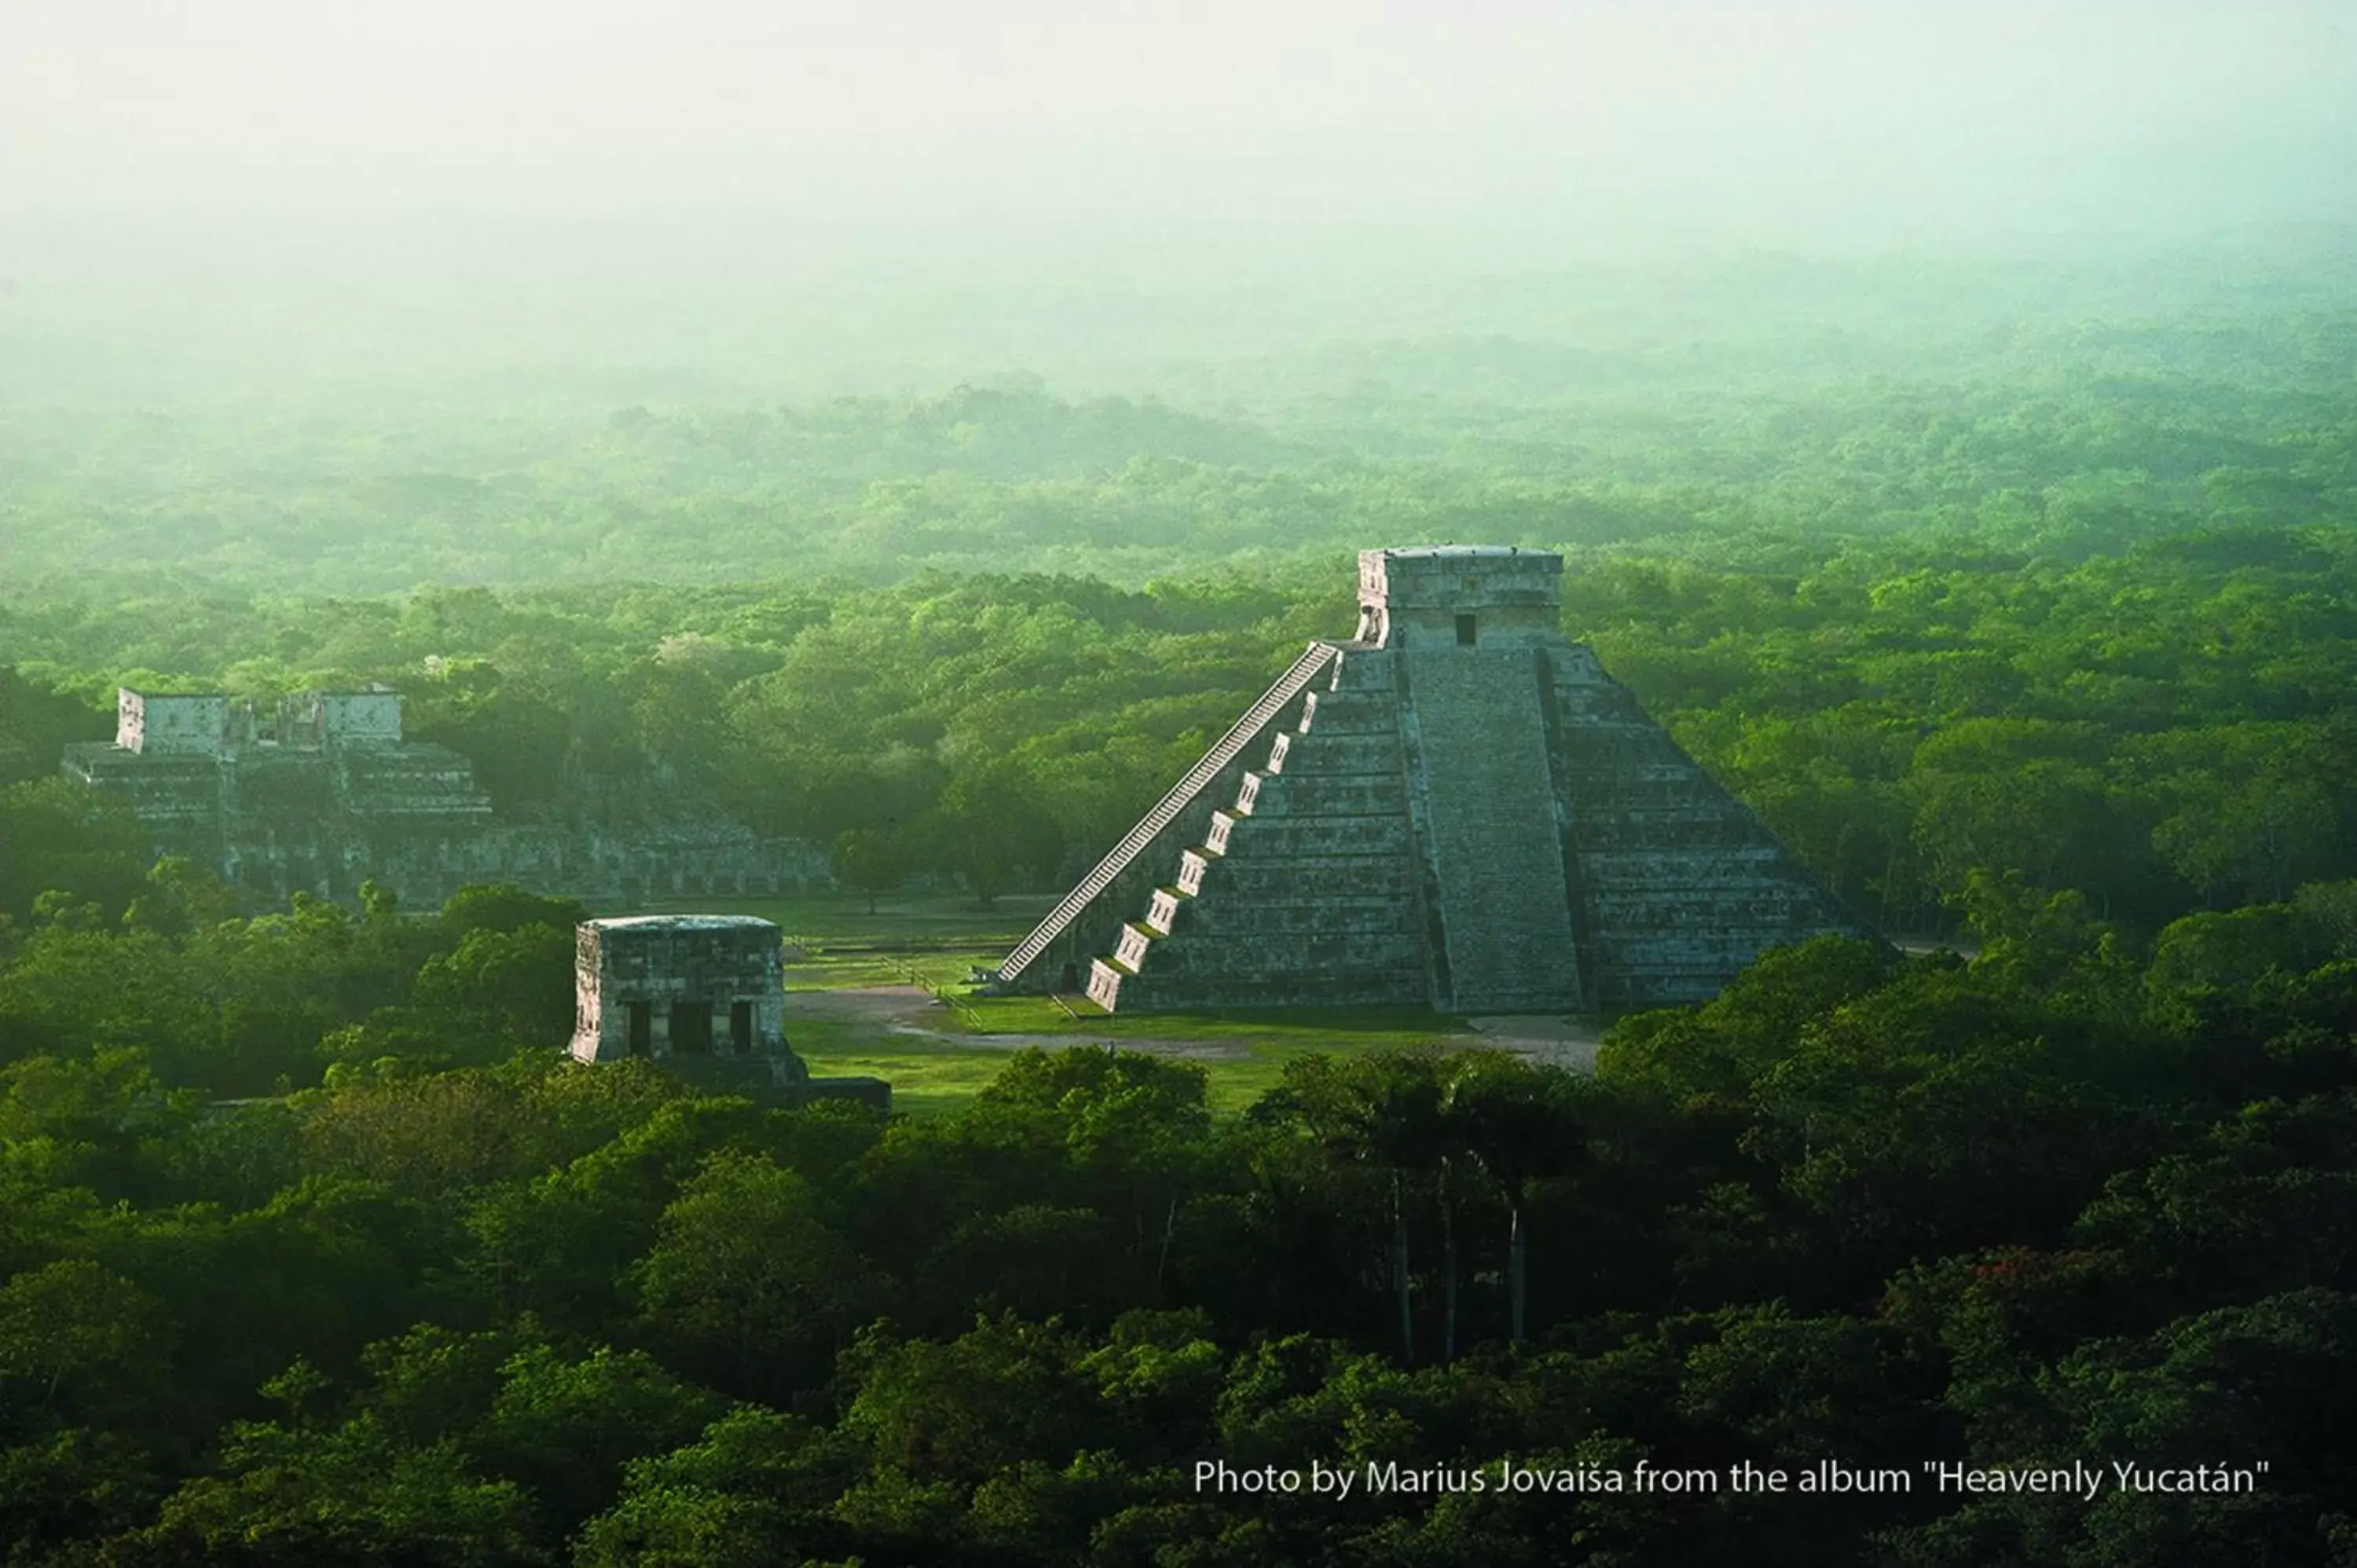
1456 809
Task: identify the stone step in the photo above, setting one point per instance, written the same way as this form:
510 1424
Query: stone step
1328 795
1310 838
1271 918
1241 959
1351 713
1491 844
1307 881
1370 754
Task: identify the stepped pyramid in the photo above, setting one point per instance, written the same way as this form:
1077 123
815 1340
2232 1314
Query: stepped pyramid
1456 809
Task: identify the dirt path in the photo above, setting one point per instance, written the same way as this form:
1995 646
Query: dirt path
912 1011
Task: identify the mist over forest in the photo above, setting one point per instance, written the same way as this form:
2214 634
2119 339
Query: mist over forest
538 403
897 441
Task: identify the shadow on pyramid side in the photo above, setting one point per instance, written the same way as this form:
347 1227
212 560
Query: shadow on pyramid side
1457 808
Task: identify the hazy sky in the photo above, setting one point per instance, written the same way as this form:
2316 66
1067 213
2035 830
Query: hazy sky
1983 113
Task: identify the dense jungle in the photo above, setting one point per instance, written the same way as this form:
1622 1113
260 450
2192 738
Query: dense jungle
2020 600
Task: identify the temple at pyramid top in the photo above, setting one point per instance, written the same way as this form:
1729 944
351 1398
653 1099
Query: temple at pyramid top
1455 808
1460 592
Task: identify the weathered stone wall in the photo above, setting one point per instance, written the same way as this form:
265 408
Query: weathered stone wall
1416 596
408 783
315 719
178 796
157 723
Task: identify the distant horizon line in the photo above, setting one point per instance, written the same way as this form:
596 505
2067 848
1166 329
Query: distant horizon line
999 227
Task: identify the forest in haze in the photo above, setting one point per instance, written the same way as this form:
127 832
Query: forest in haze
2025 614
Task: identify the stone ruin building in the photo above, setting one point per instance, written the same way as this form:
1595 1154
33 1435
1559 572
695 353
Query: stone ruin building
322 792
314 794
1457 808
705 995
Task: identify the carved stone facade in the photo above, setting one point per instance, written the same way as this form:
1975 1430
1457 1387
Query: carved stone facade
1459 809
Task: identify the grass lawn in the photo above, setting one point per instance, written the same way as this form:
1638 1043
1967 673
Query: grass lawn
926 1078
834 940
913 920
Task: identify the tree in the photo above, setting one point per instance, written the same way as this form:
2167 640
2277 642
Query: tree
1384 1113
2246 811
751 1491
1005 1391
565 1426
990 827
346 1493
77 1343
2211 949
1517 1122
871 861
504 907
59 835
525 976
746 1278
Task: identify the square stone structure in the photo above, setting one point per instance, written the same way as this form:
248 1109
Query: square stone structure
705 995
1458 808
685 986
